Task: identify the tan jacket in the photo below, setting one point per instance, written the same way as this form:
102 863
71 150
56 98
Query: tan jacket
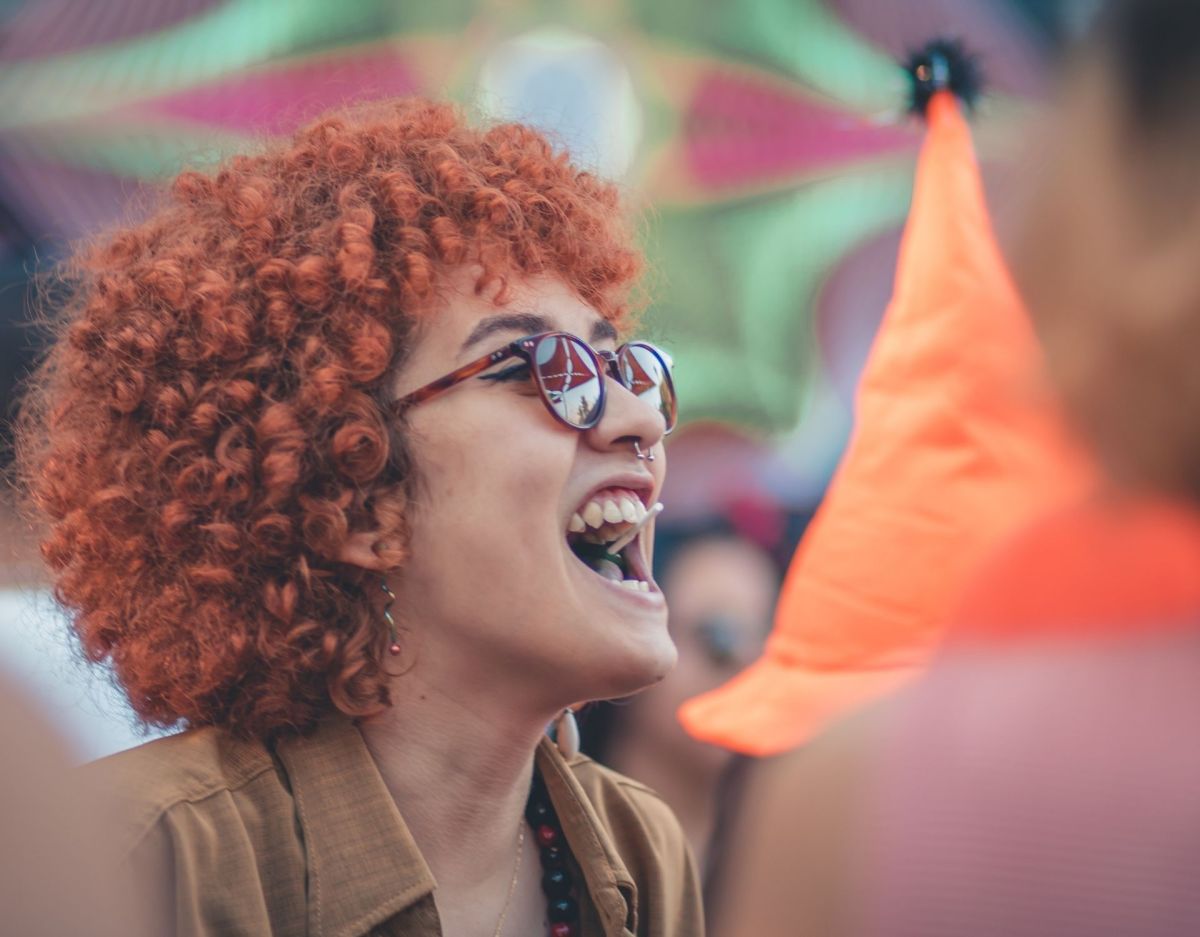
233 838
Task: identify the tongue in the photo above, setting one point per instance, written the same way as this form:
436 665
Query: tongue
608 569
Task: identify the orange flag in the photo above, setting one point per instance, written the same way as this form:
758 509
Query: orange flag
957 444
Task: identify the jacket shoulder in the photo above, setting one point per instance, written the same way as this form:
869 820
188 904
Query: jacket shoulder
610 790
642 826
144 783
651 844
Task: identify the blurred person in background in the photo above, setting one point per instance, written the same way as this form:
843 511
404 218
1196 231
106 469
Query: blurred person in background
58 868
1041 779
335 450
721 589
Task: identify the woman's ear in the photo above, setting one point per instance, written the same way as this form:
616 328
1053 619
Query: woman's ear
360 550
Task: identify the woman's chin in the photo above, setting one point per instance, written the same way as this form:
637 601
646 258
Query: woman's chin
632 668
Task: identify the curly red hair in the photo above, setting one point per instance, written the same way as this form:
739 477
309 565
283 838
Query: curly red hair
209 426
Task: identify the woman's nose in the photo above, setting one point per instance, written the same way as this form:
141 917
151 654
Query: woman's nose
627 420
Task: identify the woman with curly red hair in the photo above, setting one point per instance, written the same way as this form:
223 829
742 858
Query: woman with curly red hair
336 450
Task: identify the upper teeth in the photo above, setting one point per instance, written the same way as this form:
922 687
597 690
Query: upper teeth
607 507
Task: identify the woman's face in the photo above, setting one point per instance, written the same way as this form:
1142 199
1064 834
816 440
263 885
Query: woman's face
492 592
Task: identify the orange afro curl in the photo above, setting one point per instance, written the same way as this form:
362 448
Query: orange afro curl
208 425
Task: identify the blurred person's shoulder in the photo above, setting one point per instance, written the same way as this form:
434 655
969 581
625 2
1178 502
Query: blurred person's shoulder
149 782
792 858
56 830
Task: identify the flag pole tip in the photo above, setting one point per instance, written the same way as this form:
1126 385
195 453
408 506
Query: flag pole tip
943 64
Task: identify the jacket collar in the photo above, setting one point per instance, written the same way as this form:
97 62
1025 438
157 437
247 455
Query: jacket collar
609 883
363 864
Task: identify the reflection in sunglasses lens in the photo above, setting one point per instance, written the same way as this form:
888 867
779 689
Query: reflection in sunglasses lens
568 377
647 377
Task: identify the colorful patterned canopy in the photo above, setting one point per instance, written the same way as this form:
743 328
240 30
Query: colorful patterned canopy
764 136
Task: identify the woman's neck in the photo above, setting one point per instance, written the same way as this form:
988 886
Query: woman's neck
456 750
458 775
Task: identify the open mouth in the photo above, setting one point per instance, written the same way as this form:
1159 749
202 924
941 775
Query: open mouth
599 535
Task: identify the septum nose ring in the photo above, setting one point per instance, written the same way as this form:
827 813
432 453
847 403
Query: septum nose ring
643 456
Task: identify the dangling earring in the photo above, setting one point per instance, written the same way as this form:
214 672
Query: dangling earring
566 734
394 647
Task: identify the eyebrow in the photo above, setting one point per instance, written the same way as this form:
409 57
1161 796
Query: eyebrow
603 329
527 323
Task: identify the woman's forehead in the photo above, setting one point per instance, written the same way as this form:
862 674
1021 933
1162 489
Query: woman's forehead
472 324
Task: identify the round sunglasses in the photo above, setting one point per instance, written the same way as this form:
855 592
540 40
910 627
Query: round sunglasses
570 376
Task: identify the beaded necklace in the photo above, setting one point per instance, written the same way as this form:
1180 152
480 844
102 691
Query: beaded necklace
562 908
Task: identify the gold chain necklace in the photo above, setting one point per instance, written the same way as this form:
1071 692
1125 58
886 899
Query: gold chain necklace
512 886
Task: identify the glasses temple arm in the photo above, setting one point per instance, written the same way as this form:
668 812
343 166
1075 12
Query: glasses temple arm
457 376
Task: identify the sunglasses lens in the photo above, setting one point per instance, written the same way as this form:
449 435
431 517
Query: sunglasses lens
647 376
567 374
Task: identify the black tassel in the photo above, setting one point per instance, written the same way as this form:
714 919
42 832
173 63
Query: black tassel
941 64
